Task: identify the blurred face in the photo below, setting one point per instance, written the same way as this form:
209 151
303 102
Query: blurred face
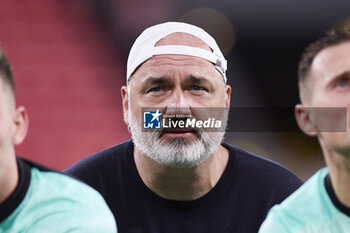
13 124
329 83
7 111
175 83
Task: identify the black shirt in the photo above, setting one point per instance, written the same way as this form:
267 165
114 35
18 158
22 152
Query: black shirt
248 188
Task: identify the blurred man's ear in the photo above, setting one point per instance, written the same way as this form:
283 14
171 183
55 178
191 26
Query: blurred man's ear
21 122
304 120
125 102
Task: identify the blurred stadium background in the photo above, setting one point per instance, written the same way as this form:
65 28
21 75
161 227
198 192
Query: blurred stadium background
69 59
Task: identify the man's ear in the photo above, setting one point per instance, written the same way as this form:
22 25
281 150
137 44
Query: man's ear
228 96
303 116
21 122
125 102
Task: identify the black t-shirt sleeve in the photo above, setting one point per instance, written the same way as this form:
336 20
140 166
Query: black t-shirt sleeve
103 169
263 182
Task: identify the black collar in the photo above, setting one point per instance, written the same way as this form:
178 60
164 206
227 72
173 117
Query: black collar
333 197
15 199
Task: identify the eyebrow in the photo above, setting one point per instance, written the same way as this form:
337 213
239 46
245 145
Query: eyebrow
198 80
150 81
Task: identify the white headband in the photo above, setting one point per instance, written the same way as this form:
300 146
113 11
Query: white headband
144 47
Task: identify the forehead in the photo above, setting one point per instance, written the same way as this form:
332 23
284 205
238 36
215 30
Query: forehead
164 64
332 61
176 67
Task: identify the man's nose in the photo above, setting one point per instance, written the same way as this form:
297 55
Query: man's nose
178 104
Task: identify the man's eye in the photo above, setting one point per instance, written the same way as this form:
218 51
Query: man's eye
197 88
156 89
344 83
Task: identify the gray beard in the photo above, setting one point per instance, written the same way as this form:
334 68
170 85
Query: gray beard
178 152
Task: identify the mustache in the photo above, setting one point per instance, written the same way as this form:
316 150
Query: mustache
175 121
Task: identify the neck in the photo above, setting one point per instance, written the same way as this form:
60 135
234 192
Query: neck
182 183
8 177
339 169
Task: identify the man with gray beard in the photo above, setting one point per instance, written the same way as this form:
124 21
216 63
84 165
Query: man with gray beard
181 178
179 152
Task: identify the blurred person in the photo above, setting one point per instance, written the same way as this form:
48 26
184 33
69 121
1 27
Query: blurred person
181 180
322 204
33 198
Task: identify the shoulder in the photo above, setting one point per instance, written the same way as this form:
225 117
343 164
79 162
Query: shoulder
265 175
103 158
53 197
250 159
51 182
305 208
258 166
105 168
